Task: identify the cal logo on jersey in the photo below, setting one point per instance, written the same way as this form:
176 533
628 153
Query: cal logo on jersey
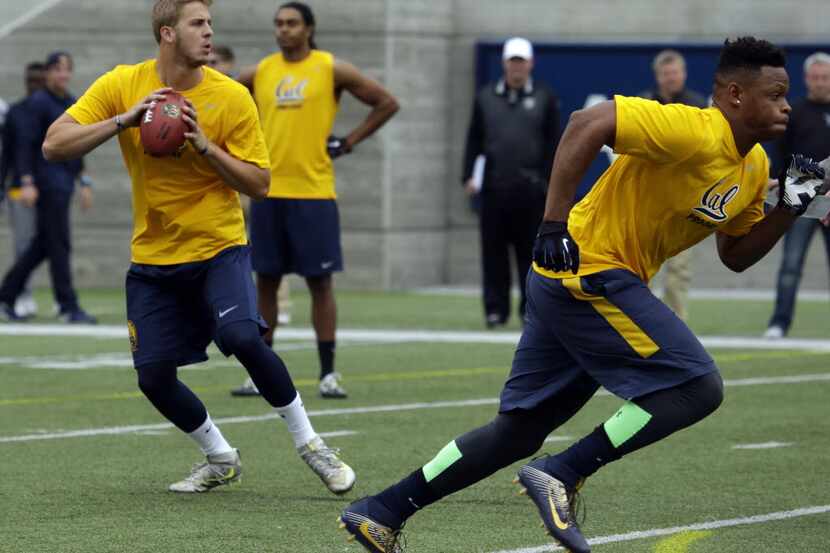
290 94
713 204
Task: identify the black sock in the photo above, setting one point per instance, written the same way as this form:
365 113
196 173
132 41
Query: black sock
408 495
583 458
326 352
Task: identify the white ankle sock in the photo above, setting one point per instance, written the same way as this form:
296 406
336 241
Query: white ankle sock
210 439
297 420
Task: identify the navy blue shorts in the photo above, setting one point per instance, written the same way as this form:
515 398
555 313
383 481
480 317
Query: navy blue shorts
174 311
295 236
606 329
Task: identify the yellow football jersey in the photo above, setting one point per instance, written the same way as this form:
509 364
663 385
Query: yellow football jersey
297 107
678 179
182 209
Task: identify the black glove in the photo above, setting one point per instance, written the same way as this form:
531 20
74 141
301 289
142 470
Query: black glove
337 147
555 249
799 183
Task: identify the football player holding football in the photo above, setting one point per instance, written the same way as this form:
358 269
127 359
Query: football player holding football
190 278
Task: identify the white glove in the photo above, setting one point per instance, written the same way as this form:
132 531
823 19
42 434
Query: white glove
800 183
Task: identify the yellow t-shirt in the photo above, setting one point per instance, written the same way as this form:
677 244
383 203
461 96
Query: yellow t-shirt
182 209
297 107
678 179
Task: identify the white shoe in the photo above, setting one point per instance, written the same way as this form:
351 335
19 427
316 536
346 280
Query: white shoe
774 332
323 460
217 470
330 387
247 389
25 306
283 318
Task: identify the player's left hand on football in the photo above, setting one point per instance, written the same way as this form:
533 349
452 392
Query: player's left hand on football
555 249
196 137
799 183
337 147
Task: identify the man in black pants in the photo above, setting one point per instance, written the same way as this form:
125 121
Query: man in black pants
807 133
591 319
515 126
52 186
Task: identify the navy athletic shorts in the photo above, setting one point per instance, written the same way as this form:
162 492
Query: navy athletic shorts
607 329
295 236
174 311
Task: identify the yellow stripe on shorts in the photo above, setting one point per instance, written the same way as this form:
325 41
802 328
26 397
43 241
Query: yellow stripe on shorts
628 329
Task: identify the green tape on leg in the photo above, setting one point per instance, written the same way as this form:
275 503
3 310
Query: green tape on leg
625 423
446 457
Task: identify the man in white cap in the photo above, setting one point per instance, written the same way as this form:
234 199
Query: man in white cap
515 127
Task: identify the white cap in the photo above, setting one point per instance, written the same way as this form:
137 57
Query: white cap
517 47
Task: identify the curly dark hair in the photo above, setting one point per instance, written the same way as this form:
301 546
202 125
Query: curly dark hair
749 53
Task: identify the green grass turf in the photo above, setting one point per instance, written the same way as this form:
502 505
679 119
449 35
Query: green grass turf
107 493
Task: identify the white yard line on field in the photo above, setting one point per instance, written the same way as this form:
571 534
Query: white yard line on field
392 408
657 532
402 336
765 445
26 17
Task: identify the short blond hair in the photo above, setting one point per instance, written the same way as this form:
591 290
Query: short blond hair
166 14
666 57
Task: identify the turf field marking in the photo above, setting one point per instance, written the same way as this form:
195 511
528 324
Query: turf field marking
382 377
806 378
146 429
22 20
680 543
420 336
765 445
552 439
701 526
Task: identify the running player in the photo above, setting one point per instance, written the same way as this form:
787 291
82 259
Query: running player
683 173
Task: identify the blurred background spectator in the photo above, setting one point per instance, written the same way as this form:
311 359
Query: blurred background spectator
515 128
808 133
670 88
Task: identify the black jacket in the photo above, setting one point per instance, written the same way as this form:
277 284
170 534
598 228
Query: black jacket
808 133
517 131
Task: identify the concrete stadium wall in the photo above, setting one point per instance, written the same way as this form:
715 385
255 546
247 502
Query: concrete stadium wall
405 219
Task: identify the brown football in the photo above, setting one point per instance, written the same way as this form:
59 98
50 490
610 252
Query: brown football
162 126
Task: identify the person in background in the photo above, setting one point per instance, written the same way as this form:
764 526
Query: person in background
808 133
515 127
223 60
296 229
50 186
670 79
22 215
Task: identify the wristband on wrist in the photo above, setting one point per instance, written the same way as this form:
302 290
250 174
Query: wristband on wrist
119 125
204 150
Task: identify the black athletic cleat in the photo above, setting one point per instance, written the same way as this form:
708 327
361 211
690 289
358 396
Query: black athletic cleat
8 314
556 504
374 526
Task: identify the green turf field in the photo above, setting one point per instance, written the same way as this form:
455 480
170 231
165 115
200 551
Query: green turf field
102 488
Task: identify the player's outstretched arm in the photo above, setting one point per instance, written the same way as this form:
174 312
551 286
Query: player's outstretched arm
371 93
739 253
799 183
68 139
587 132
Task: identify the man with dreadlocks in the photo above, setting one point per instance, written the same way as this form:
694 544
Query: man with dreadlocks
297 228
683 173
